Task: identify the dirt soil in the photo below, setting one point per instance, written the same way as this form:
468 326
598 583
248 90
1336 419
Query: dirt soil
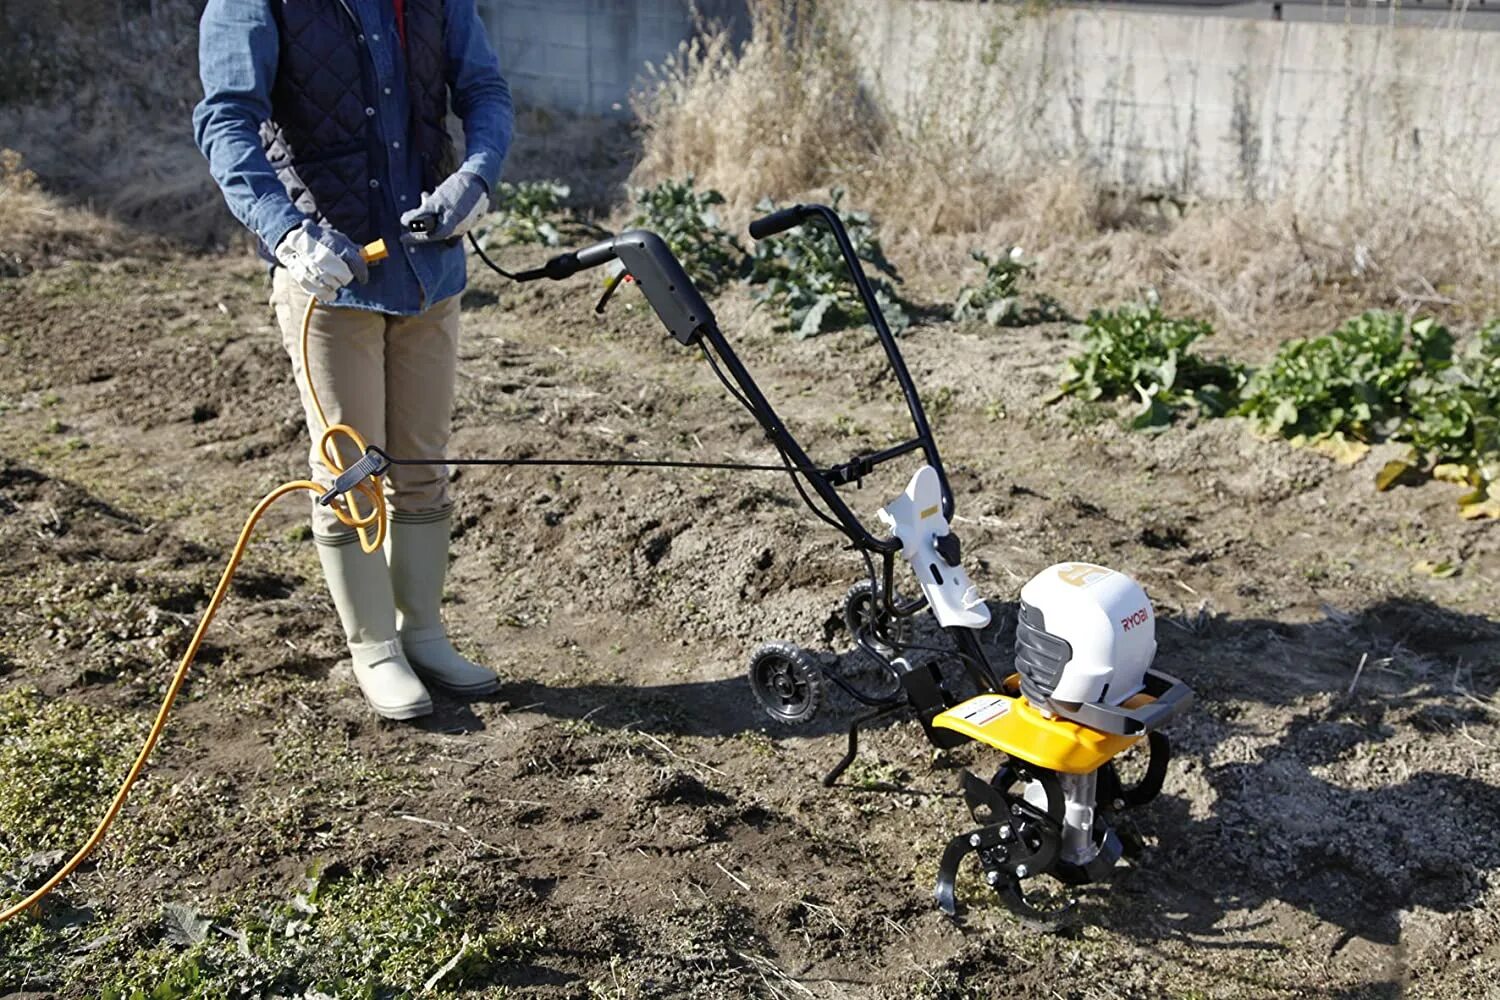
1328 826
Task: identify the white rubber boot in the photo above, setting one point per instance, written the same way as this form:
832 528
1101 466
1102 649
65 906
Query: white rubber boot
417 547
361 587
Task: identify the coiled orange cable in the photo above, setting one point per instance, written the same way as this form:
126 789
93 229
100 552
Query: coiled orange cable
348 513
345 508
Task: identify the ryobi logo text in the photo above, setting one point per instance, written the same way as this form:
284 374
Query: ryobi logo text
1139 617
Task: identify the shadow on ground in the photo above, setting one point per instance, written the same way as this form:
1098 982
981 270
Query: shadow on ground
1299 777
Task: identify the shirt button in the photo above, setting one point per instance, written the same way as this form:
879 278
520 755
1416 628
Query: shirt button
387 90
369 112
395 145
374 38
374 183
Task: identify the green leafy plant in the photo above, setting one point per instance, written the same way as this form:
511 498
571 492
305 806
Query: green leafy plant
997 298
528 212
686 219
1137 351
1353 382
802 275
1452 422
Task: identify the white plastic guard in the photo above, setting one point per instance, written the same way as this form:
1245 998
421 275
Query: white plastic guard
916 517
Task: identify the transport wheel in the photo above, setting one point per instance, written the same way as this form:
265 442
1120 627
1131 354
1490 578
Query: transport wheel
862 605
787 681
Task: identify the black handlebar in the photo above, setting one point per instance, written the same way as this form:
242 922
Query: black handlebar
565 265
681 308
785 219
778 222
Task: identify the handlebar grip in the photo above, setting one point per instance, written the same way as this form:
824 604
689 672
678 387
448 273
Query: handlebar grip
777 222
599 253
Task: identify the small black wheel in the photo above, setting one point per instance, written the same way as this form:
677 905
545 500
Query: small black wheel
787 681
862 605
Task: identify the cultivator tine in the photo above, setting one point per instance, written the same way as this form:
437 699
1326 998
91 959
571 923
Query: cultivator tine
1008 888
953 856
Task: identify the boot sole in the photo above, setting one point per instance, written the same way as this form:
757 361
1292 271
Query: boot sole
401 714
488 687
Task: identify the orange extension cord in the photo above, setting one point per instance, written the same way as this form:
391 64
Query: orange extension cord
362 523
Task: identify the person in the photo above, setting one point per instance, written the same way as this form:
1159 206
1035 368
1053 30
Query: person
324 123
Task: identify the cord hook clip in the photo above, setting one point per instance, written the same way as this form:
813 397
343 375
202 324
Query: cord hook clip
371 465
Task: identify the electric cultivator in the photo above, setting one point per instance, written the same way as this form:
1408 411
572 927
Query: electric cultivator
1082 690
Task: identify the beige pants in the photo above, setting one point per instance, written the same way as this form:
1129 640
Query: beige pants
388 377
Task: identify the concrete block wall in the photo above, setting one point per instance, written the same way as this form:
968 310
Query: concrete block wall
587 55
1188 105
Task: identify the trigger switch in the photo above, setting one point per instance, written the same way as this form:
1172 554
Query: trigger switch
948 548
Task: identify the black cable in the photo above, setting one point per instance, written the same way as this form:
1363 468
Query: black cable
786 460
489 263
965 657
729 386
897 688
860 696
626 463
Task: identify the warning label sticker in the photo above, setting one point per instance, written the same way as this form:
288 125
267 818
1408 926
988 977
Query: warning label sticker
983 710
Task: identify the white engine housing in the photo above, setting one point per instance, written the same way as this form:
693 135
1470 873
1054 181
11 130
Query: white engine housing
1106 620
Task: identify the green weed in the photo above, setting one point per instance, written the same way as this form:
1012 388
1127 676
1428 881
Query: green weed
997 299
1453 425
620 984
61 761
686 219
1377 378
1353 381
1136 350
356 937
940 403
528 212
803 277
876 775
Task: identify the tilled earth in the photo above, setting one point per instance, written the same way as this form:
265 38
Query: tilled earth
1328 826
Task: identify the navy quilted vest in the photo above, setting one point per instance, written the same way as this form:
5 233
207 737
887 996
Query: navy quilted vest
320 140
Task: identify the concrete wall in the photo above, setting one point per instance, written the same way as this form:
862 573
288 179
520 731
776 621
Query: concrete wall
1195 106
587 55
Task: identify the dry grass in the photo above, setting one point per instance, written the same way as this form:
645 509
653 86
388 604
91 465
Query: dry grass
786 116
41 230
783 115
591 154
956 167
104 116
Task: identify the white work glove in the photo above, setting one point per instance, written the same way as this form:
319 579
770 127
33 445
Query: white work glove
321 260
450 211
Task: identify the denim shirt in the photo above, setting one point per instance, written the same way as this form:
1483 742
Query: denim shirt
238 52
